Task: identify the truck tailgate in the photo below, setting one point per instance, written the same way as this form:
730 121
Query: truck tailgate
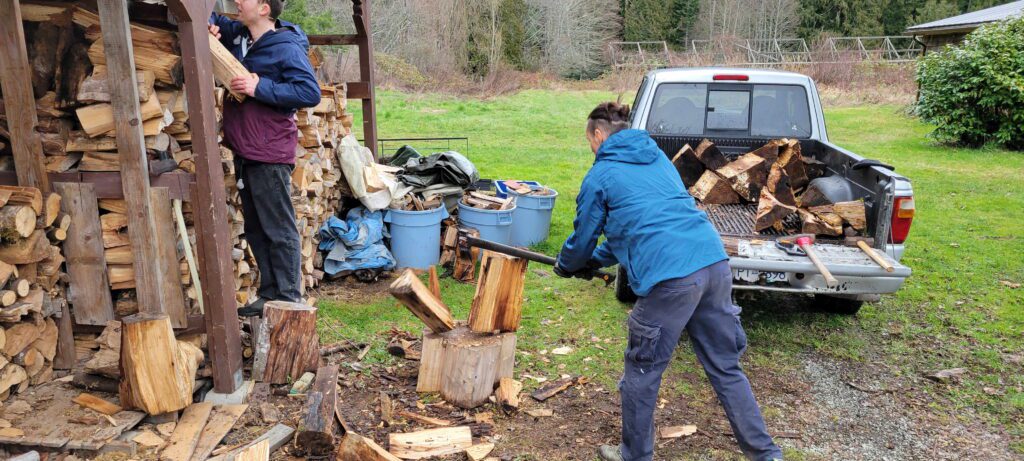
763 255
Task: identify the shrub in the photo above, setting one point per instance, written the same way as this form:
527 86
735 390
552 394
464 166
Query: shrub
974 92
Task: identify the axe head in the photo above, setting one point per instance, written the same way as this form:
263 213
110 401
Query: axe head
797 239
852 241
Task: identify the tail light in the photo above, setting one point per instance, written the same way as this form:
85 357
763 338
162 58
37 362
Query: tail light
902 216
732 77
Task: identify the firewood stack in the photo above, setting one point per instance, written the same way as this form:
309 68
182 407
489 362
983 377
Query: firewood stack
464 362
32 286
778 178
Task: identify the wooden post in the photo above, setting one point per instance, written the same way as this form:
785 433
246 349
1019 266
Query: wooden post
131 145
19 101
361 17
210 199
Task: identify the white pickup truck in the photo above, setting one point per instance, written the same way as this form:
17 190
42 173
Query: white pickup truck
739 110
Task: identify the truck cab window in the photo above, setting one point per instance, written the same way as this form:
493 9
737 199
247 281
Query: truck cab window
678 109
728 110
780 110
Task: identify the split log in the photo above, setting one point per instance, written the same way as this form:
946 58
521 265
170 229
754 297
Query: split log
157 371
93 402
771 212
32 249
713 189
95 89
11 375
508 394
791 160
506 357
709 155
688 166
98 119
408 289
811 224
20 195
166 66
294 345
769 152
779 185
747 175
226 67
498 301
853 213
815 168
813 196
316 438
430 442
106 361
431 362
19 336
47 342
355 447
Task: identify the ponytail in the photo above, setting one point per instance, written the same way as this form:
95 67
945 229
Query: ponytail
610 117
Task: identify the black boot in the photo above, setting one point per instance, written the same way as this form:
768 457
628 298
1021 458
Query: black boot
253 309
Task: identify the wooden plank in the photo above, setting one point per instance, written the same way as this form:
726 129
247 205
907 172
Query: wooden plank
221 421
277 436
186 434
65 358
124 95
216 268
166 238
83 250
16 84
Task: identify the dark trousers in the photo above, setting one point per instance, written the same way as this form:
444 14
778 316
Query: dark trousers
702 304
270 227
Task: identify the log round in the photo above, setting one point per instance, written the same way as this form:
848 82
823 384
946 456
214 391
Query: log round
157 371
294 345
470 367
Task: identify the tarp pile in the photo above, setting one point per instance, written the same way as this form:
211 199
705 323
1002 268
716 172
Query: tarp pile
355 243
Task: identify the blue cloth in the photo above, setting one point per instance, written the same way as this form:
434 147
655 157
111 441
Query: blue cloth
634 196
355 243
700 303
279 58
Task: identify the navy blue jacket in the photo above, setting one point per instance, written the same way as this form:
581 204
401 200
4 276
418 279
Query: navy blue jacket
262 128
652 226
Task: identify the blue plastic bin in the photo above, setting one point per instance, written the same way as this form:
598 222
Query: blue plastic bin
416 236
501 190
493 225
532 219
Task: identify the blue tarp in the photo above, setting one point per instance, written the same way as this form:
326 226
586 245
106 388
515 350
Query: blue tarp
355 243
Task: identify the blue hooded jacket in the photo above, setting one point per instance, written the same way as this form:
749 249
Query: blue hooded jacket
653 228
262 128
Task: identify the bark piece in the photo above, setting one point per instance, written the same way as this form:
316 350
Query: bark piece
508 394
791 160
553 388
317 435
853 213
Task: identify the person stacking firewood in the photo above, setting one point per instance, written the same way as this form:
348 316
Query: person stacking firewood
678 268
261 132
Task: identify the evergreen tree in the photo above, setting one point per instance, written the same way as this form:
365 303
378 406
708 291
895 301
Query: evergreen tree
297 12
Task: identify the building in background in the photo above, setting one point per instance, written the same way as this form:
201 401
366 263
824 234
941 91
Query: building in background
936 34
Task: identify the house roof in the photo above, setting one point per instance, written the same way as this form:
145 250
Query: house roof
968 21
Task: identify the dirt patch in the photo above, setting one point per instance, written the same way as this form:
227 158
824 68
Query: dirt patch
351 290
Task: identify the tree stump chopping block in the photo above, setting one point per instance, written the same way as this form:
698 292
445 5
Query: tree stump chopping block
294 345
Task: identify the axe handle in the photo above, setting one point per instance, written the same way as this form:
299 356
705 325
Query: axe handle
874 256
527 255
830 281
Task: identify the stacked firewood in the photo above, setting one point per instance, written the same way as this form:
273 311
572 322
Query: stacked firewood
32 285
777 177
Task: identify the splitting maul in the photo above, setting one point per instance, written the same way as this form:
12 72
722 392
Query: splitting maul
467 241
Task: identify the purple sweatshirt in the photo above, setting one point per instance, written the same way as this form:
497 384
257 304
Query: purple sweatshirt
262 128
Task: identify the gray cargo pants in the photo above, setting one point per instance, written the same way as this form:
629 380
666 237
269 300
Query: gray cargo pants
270 227
702 304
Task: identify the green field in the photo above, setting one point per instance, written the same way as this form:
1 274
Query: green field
954 312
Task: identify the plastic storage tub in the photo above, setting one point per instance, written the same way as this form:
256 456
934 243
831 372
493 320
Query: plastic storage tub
416 236
493 225
532 220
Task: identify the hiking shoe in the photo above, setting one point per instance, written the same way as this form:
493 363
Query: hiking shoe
609 453
253 309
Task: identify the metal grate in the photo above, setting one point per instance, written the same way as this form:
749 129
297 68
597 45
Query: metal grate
737 220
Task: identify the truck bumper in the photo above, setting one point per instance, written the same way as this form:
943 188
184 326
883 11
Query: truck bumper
762 266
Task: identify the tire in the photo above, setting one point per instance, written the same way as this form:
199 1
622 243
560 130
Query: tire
835 305
622 290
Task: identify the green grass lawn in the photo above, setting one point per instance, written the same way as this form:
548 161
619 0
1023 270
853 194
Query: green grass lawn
953 312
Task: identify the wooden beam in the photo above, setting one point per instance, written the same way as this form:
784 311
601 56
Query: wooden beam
350 39
357 90
124 97
108 183
361 17
215 264
16 83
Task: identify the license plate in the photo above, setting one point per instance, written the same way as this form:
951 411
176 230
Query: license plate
752 276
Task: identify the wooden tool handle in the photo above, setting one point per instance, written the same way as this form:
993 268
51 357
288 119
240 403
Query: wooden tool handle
874 256
830 281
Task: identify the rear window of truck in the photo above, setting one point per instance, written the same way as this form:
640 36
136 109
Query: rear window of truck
700 109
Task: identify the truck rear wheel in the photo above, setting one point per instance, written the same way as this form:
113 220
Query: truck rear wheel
836 305
622 290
